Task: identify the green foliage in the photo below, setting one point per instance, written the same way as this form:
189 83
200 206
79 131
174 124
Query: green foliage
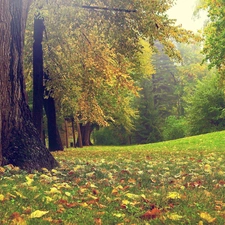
147 124
174 128
111 135
206 106
214 33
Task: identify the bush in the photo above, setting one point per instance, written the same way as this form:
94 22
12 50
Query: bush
109 136
174 128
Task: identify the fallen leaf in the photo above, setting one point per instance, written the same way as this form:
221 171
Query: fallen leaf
207 217
2 197
132 196
151 214
38 214
98 221
2 170
17 219
173 195
174 216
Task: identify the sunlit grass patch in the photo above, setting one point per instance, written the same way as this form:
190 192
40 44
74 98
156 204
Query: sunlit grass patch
176 182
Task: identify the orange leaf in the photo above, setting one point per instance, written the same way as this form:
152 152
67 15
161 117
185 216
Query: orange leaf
151 214
98 221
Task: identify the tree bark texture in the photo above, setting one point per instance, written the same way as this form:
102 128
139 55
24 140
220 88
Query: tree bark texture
20 143
38 74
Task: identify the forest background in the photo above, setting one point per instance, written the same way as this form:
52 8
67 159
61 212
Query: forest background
116 87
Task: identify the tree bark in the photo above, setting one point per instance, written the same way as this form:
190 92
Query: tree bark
38 73
20 143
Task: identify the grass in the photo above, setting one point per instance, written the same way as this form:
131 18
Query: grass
173 182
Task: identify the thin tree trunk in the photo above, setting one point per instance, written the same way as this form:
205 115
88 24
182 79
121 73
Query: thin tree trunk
86 134
54 139
73 131
79 138
20 143
66 132
38 89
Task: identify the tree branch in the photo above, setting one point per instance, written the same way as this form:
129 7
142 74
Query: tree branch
107 9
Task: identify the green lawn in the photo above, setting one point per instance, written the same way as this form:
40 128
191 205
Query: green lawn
174 182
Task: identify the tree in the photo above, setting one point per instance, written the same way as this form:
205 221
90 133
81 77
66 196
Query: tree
147 126
205 111
94 85
20 143
214 33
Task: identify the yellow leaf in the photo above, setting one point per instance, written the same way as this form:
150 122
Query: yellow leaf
68 194
29 180
20 195
2 197
76 168
45 170
53 191
48 199
200 223
125 202
55 171
84 204
208 168
119 215
207 217
173 195
174 216
38 214
132 196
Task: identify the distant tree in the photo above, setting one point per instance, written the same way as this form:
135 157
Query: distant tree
205 111
147 126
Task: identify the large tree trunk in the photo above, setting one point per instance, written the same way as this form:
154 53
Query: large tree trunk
20 143
38 74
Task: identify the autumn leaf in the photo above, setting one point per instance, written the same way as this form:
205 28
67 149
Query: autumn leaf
29 180
207 217
132 196
151 214
173 195
38 214
17 219
98 221
119 215
174 216
53 191
2 197
2 170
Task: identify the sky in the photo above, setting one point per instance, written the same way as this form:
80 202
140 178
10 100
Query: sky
183 12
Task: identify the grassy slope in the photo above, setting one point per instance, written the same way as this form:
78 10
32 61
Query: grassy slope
174 182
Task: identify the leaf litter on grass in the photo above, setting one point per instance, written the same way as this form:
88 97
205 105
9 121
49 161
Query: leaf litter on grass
117 187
